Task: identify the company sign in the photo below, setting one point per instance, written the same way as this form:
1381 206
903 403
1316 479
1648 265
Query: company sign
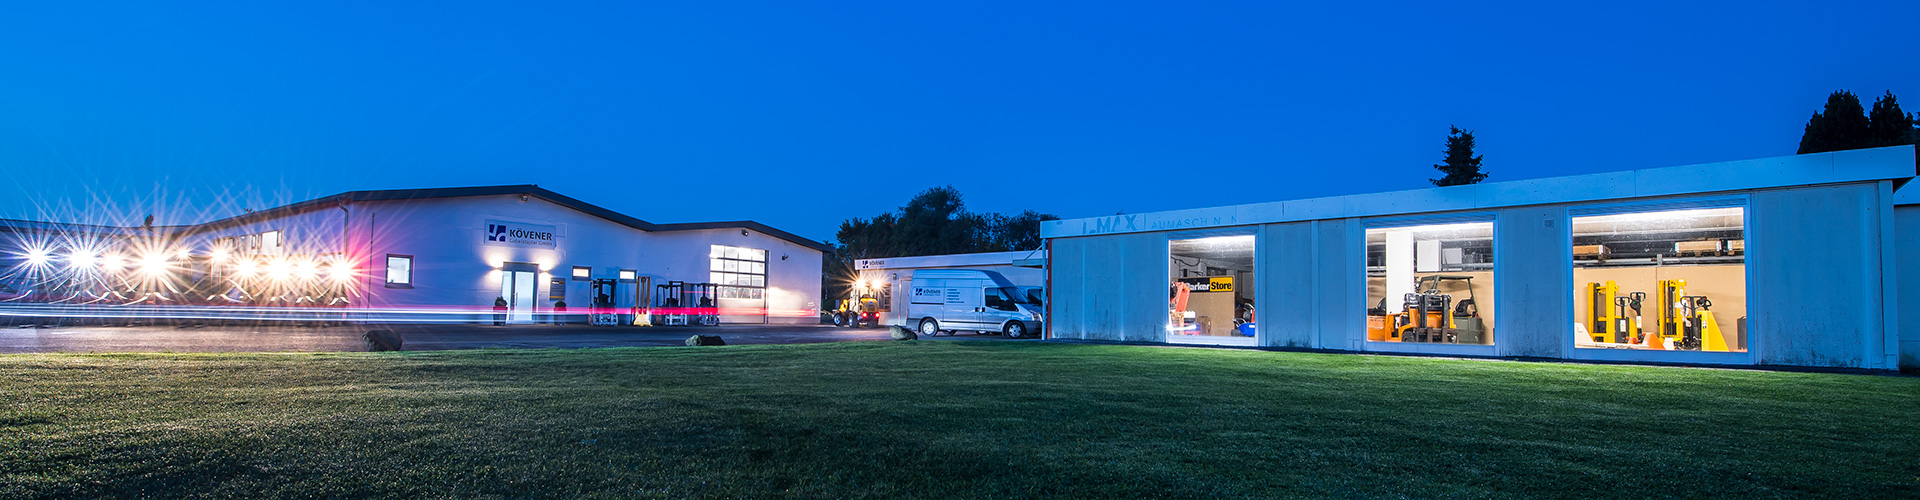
1209 284
521 234
935 295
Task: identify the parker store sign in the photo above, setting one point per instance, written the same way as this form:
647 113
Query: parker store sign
521 234
1209 284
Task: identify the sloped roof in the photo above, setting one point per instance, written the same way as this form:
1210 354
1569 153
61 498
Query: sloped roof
520 189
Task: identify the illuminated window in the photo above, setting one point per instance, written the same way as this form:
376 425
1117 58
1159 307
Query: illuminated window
738 273
399 271
1661 280
582 273
628 275
1210 290
270 242
1430 283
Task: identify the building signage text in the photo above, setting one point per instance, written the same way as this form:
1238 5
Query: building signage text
521 234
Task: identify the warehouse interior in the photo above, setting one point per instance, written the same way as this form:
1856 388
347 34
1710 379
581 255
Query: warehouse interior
1661 280
1210 289
1431 283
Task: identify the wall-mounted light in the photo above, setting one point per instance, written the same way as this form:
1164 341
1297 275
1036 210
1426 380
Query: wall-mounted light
523 198
783 256
743 232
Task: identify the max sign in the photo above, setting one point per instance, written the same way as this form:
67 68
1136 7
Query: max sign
521 234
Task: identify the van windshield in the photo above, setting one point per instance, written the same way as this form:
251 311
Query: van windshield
1020 296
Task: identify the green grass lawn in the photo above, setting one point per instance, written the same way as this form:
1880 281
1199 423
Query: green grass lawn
939 419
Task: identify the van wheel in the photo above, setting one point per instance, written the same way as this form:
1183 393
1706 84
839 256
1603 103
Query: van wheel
929 327
1015 329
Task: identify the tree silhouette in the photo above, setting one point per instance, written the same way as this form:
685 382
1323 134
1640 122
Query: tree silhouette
1887 125
1842 125
1461 166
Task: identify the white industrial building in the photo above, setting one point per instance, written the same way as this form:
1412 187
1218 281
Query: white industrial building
878 279
445 255
1797 260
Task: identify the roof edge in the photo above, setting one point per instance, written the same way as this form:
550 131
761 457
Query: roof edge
1859 165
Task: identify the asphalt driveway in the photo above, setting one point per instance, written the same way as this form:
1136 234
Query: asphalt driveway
418 337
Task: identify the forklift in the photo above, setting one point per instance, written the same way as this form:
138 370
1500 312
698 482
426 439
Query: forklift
678 303
1431 316
603 310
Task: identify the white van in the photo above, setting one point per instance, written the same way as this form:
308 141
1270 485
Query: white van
944 300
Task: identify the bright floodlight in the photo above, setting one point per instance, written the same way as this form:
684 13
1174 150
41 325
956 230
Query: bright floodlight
153 264
219 254
307 269
36 257
184 254
341 270
80 260
112 262
277 269
244 267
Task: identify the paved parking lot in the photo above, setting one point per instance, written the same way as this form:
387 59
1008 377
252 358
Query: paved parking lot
418 337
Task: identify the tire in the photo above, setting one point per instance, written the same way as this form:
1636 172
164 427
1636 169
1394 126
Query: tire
1015 330
839 320
929 327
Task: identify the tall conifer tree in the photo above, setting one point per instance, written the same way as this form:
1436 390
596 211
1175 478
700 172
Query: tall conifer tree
1461 166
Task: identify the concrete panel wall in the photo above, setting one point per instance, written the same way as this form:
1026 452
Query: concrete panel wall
1144 282
1814 296
1907 239
1288 289
1532 256
1816 286
1339 255
1111 288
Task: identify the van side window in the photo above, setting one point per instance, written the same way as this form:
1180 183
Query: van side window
997 299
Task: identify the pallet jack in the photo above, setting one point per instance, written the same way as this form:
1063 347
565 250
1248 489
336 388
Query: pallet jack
1686 323
1607 314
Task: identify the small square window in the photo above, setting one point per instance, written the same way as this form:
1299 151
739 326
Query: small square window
399 271
581 273
628 275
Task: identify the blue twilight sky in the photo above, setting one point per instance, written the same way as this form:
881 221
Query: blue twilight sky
801 114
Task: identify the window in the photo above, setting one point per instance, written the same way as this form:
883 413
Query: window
1210 290
270 242
399 271
1661 280
628 275
1430 283
998 299
738 273
582 273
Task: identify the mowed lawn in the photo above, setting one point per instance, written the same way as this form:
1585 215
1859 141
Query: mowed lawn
939 419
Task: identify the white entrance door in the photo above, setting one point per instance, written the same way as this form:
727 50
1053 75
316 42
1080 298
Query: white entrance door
518 288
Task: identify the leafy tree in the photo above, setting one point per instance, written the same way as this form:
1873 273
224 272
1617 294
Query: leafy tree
1887 125
1461 166
1842 125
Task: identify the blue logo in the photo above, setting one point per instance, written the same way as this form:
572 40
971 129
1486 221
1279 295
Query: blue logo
496 232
